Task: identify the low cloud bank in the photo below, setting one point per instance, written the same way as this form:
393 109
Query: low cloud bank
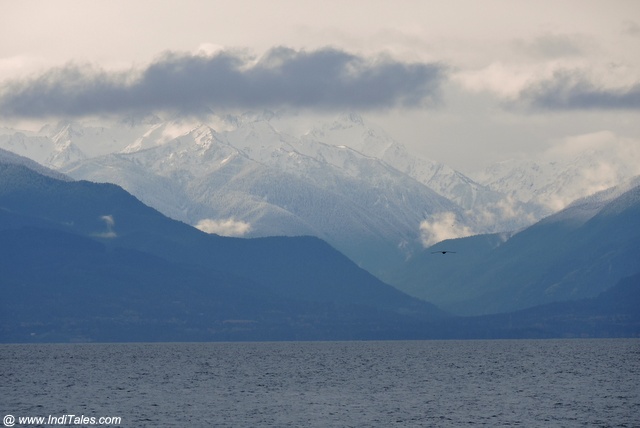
224 227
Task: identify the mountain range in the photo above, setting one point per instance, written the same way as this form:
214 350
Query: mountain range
350 185
80 256
576 253
345 181
84 261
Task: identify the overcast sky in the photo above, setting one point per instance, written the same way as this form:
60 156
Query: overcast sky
463 82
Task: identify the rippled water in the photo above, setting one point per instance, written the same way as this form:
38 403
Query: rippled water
548 383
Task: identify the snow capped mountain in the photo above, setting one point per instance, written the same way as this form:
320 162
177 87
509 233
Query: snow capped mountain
345 181
485 210
583 209
12 158
568 173
36 146
255 181
64 150
66 142
575 253
351 130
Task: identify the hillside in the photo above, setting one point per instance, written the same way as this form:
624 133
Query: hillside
125 271
612 313
88 262
576 253
344 181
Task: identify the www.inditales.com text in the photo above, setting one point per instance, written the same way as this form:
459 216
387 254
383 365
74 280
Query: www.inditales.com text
11 420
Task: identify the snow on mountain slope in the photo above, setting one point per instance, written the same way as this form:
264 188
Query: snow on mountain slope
583 209
260 182
485 210
573 254
58 145
352 131
577 168
346 144
12 158
345 181
32 145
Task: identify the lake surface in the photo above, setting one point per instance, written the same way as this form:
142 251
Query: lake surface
528 383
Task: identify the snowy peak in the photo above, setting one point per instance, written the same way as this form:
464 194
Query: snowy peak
555 184
64 150
28 144
244 167
247 173
157 134
486 210
352 131
583 209
145 141
573 168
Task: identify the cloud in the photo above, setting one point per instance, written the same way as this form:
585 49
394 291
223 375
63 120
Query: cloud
110 224
321 79
553 46
506 214
442 226
503 79
224 227
572 90
604 159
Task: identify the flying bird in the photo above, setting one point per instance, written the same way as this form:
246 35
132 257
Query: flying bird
442 252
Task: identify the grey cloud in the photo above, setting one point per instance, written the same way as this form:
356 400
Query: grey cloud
321 79
573 91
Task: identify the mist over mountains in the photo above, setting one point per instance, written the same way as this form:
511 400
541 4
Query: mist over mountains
345 181
272 207
576 253
83 261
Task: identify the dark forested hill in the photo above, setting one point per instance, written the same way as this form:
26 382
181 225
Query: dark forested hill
81 261
88 261
574 254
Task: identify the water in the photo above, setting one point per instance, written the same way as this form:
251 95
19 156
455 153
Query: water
550 383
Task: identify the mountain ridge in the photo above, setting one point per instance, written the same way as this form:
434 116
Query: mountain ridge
345 180
85 262
576 253
89 237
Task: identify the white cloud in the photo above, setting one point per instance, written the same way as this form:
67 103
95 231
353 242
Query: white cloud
224 227
605 141
110 224
209 49
594 161
504 80
442 226
611 157
506 214
10 66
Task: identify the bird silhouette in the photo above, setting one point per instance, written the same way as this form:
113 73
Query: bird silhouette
442 252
